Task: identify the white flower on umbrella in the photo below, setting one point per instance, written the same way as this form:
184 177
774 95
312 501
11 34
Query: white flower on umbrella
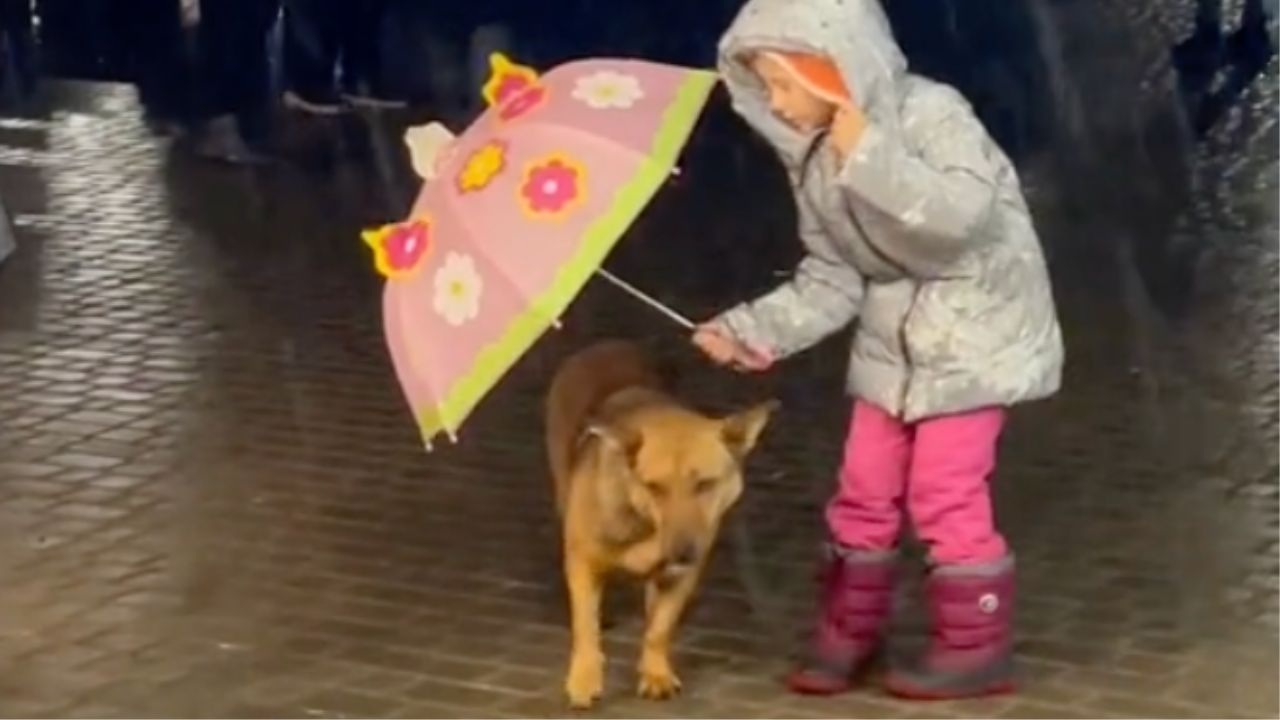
458 288
608 89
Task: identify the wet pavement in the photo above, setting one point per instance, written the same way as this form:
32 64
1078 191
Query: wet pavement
213 502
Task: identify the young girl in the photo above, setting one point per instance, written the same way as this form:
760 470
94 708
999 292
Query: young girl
914 225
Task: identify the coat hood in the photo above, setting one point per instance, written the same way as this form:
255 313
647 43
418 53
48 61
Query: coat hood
854 34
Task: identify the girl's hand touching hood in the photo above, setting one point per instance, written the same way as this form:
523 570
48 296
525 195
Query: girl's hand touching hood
846 130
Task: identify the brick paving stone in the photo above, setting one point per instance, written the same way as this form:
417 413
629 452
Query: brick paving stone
347 703
1140 705
212 501
1035 711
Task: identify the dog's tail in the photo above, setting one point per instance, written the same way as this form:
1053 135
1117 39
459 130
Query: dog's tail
582 383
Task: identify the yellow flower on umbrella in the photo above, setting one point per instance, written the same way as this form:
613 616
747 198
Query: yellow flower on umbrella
483 165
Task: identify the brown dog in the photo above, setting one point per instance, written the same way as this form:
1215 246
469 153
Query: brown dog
642 483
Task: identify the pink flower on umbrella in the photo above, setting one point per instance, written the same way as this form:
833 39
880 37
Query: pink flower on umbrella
398 248
524 102
552 187
513 89
509 86
506 79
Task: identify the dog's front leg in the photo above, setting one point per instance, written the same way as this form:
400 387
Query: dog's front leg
664 603
585 681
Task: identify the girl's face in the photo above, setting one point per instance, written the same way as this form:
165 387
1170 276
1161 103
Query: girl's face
788 99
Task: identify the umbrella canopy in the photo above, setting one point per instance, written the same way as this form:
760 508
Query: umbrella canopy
523 209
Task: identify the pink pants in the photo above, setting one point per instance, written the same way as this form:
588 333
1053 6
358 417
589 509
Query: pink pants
939 466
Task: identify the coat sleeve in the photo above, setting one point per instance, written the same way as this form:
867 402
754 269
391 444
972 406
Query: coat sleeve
933 200
822 297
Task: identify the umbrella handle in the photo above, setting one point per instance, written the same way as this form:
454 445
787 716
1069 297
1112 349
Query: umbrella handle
634 292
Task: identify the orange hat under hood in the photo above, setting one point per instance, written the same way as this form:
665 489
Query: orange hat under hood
815 73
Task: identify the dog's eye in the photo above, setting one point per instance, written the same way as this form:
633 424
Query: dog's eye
704 486
656 489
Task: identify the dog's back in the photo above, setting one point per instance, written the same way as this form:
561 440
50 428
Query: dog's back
586 380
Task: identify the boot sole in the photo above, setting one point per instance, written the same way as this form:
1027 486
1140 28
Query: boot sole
838 685
1006 687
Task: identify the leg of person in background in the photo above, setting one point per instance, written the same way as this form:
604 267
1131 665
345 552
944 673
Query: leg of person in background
312 36
1201 52
7 244
16 27
1197 60
1251 46
152 31
1248 51
362 41
237 106
70 37
1209 16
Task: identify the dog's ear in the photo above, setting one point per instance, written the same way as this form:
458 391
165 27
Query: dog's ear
741 430
623 442
667 369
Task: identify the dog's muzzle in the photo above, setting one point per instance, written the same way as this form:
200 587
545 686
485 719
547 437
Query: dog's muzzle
680 562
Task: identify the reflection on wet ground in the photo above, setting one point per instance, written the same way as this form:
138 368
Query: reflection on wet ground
212 501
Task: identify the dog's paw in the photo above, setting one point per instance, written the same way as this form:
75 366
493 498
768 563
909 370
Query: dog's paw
585 683
658 681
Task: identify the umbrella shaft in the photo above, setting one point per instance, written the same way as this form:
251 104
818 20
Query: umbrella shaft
634 292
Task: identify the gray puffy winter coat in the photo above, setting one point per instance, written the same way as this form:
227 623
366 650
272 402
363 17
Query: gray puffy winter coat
921 234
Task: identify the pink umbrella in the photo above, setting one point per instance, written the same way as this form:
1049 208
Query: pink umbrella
526 205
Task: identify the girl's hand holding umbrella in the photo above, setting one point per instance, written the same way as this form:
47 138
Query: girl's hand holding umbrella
725 350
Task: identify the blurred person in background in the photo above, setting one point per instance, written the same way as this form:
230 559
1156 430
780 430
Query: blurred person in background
235 100
333 56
